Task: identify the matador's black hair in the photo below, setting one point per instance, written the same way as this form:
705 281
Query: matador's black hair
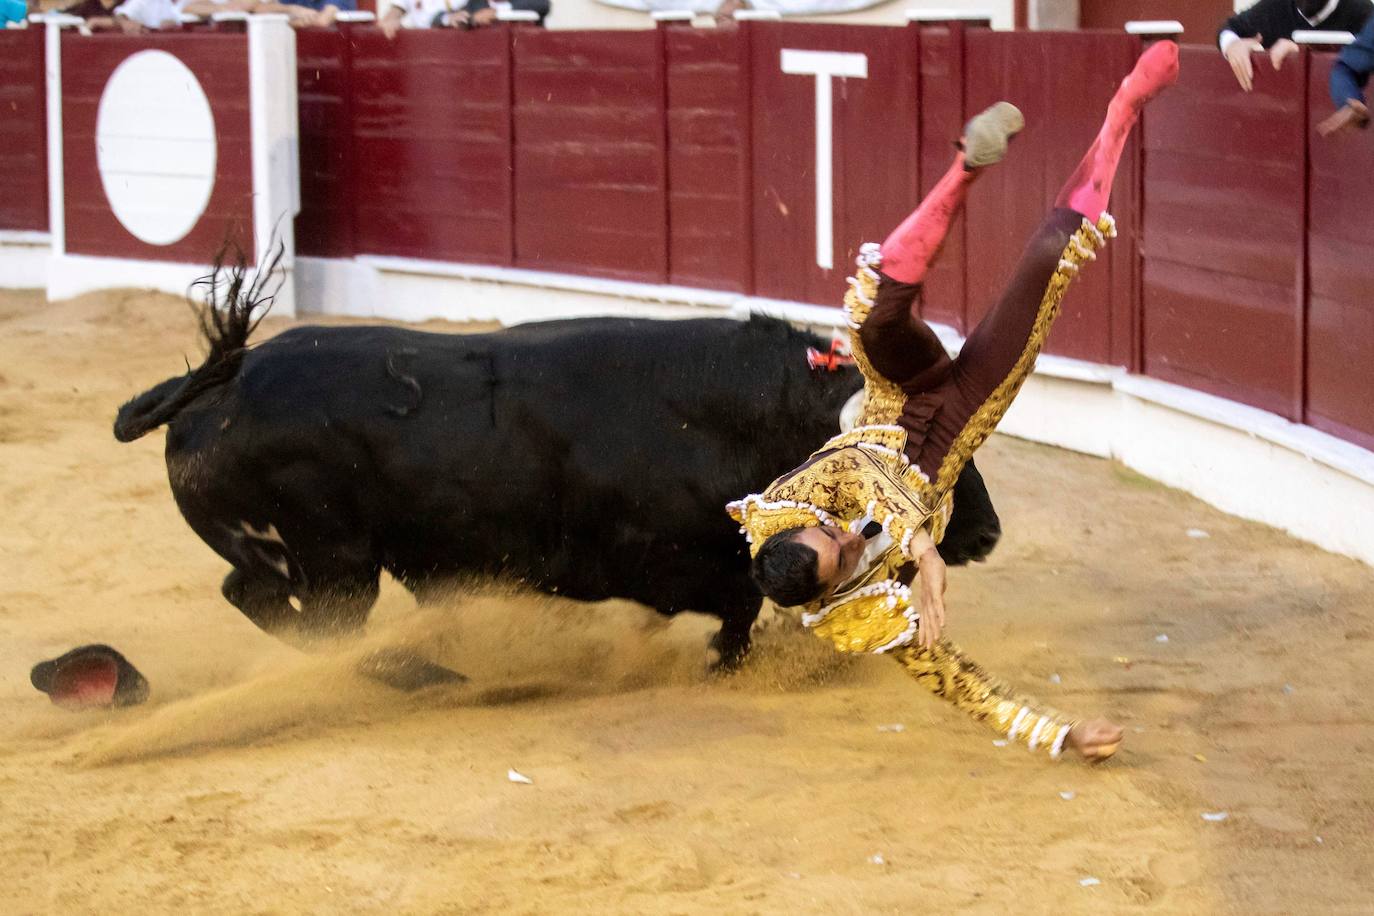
786 570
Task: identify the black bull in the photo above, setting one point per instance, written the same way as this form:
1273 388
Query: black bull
587 458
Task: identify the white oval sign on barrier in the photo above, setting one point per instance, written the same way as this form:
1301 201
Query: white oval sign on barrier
155 146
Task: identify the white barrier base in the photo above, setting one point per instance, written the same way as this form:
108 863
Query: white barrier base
406 289
1244 461
74 275
24 259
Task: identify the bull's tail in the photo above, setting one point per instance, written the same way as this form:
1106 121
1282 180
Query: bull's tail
229 310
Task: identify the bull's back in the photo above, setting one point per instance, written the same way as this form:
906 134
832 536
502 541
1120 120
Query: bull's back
510 447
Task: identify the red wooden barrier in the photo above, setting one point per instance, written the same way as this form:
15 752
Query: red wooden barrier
432 144
1062 82
23 131
1223 243
590 156
942 116
329 181
1246 248
710 242
1340 270
874 154
220 65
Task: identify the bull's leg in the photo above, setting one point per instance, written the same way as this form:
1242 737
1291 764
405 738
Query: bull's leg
338 608
339 605
737 605
974 528
264 600
732 642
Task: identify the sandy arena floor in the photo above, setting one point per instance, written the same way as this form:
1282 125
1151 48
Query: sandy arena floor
259 780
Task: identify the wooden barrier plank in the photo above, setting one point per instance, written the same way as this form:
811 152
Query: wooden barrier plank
324 227
432 144
1340 241
941 50
708 158
23 131
874 154
1062 82
590 158
1223 246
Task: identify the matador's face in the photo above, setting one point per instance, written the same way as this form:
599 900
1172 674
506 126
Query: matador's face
837 554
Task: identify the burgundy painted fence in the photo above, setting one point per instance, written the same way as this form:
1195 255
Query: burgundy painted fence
710 188
1063 86
1340 275
688 156
1244 265
1224 235
591 153
23 131
432 145
329 179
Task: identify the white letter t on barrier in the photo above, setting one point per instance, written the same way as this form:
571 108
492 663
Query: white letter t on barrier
824 65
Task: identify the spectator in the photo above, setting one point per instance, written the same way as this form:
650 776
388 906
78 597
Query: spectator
301 15
320 14
97 13
136 16
455 14
133 17
1349 76
1269 26
321 6
12 12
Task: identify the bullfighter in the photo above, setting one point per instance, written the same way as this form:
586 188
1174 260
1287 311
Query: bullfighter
845 534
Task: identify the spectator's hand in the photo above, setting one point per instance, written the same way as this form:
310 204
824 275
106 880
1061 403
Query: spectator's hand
483 17
129 26
725 13
1283 49
1238 56
390 24
1352 114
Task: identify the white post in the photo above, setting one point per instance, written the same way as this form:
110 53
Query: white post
824 66
52 72
276 147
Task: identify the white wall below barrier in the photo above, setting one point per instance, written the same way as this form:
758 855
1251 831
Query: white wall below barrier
1250 463
24 259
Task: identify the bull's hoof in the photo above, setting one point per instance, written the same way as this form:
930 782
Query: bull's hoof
405 670
90 677
727 653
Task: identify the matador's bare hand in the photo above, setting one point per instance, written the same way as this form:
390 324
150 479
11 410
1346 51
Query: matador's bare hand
932 599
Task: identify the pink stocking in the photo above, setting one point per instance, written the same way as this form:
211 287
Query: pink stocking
1090 186
912 246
